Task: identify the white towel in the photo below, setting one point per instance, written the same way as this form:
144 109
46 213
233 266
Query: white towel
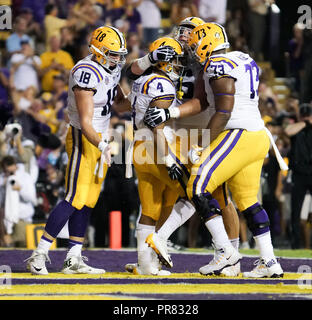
129 156
11 206
278 156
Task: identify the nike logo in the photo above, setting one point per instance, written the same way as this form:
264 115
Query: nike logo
37 269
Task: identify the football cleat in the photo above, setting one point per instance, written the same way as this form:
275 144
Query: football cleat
138 270
232 271
265 268
76 265
223 258
36 262
159 245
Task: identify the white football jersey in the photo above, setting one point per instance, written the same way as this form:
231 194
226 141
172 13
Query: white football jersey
244 70
145 90
91 75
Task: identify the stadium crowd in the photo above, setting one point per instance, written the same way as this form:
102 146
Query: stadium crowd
50 36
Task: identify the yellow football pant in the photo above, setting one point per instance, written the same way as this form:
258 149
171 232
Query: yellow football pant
83 186
236 157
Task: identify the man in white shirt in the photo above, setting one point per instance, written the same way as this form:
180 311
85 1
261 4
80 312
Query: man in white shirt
25 68
18 197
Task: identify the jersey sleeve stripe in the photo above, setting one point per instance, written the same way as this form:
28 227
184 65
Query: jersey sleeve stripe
149 81
164 97
227 60
92 68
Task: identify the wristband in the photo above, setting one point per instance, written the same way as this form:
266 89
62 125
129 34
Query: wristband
174 112
144 63
307 123
168 160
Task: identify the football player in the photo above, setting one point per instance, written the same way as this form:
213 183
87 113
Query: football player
183 209
239 143
158 184
93 87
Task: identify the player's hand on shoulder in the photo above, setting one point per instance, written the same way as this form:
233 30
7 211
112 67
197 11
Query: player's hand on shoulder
165 53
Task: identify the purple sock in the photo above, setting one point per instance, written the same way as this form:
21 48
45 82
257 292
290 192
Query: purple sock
58 217
78 222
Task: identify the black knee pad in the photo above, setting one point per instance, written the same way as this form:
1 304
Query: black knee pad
206 205
257 219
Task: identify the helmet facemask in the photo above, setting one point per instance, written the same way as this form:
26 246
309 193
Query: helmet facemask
107 60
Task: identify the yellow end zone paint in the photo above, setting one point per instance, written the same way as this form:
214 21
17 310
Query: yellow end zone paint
126 275
182 288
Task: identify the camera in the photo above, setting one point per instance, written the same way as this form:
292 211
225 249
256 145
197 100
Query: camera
12 129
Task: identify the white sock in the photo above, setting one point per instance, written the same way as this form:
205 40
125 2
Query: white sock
218 233
143 230
44 244
144 254
235 243
265 246
181 212
75 250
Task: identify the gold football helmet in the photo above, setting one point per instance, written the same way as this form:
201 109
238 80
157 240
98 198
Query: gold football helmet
207 38
175 67
185 27
109 47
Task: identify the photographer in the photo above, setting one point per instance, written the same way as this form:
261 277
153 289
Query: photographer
11 143
17 198
300 162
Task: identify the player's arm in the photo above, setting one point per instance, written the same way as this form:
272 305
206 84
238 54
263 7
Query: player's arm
139 66
121 102
174 171
223 90
155 116
85 107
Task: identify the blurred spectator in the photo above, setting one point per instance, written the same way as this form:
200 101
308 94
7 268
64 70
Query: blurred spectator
54 62
258 11
68 42
213 11
13 42
300 163
18 198
181 9
38 9
22 100
60 95
294 56
151 22
48 112
129 14
25 63
84 32
53 24
33 29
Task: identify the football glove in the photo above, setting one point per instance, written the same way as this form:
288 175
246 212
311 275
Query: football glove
155 116
165 54
174 171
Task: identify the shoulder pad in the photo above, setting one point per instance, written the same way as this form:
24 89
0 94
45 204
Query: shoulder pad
219 66
87 75
158 85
